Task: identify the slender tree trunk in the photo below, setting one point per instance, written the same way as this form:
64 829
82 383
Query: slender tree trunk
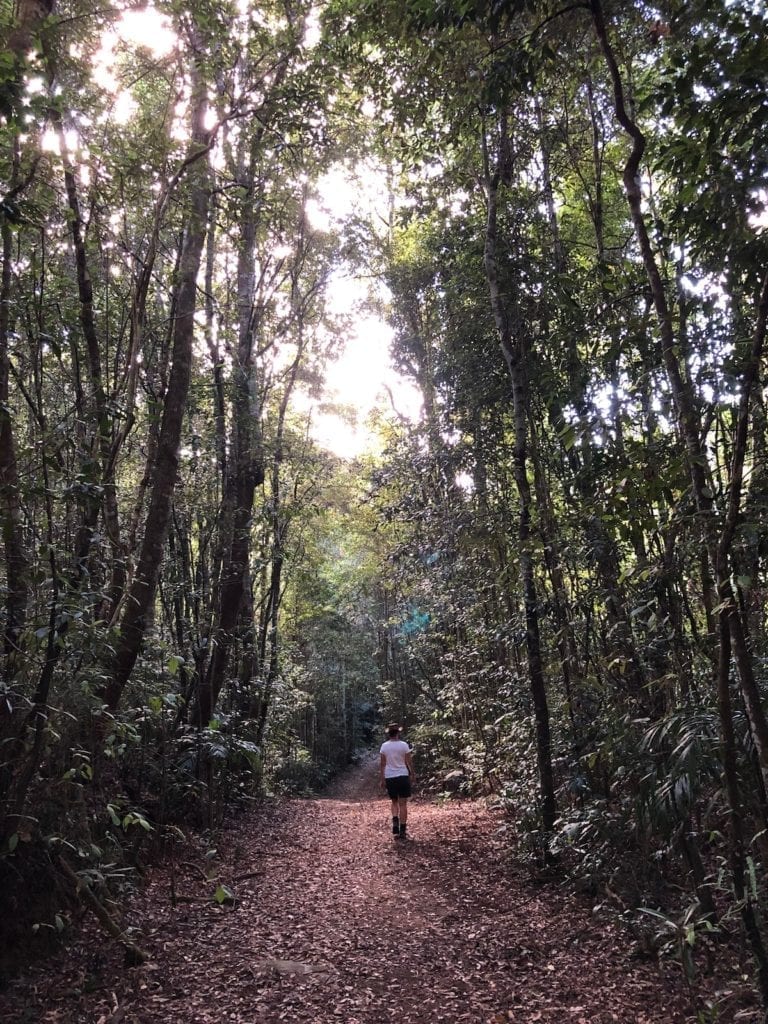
510 329
270 634
16 562
128 383
737 857
718 549
23 36
140 598
246 471
629 679
101 419
566 639
731 630
154 401
756 504
685 405
219 403
270 638
23 757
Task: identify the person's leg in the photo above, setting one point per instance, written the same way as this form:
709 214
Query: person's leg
402 812
404 792
395 816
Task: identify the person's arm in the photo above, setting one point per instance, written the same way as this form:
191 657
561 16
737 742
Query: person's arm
409 765
382 766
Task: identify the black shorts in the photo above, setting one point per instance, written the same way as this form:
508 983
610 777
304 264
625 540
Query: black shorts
399 786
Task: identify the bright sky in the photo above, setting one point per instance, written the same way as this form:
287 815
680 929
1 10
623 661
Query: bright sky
361 378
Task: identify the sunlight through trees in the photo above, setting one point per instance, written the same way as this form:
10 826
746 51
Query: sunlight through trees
550 557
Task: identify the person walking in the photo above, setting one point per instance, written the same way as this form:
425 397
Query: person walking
396 769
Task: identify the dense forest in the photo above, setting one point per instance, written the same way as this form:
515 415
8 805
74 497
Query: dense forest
555 574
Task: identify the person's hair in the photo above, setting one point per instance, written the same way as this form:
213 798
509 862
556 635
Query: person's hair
393 729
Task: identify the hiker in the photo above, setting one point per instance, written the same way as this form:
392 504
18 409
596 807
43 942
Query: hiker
396 767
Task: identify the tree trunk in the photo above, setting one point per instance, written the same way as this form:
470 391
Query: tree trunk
24 34
140 598
101 419
246 468
270 638
16 563
736 844
718 549
510 329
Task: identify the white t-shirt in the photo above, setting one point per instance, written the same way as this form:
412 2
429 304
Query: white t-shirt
394 751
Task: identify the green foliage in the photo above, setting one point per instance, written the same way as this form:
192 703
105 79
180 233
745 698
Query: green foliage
224 896
550 491
716 188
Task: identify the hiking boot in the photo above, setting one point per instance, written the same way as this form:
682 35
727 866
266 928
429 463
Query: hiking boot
402 832
395 826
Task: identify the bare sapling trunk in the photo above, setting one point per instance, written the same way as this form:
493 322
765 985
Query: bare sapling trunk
102 443
16 562
509 325
25 751
141 595
270 631
246 469
270 634
245 472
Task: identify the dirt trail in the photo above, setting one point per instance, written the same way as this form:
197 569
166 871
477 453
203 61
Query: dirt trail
336 921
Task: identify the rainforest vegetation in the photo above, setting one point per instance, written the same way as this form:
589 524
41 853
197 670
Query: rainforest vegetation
555 575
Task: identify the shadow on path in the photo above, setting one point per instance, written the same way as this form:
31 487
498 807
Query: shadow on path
333 920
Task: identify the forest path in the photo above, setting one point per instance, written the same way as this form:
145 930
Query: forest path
335 921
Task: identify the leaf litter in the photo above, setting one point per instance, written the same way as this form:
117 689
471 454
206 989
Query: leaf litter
331 919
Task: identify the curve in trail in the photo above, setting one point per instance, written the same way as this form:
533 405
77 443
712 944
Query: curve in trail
334 920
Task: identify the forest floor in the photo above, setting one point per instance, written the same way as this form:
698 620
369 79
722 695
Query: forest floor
335 921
